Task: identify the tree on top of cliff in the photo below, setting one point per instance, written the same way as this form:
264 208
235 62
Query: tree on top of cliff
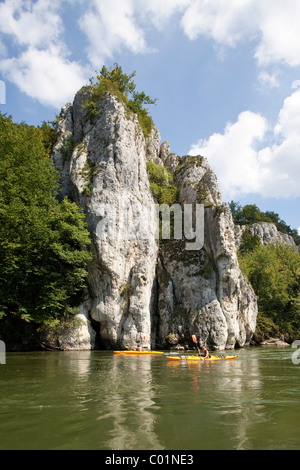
251 214
114 81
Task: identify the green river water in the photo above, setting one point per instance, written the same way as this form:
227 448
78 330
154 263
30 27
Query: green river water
98 400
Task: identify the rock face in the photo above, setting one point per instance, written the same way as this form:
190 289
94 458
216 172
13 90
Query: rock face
203 292
140 290
76 335
105 172
267 232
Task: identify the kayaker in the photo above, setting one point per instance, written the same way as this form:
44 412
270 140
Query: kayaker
139 348
206 354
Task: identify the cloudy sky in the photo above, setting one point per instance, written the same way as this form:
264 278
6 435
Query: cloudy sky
226 73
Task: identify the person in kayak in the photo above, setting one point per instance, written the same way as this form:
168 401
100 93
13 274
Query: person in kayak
205 352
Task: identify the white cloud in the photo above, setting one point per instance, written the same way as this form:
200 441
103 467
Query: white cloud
232 155
116 25
110 26
242 167
285 156
3 49
288 123
296 84
45 75
159 12
279 26
41 69
269 80
31 23
274 25
225 22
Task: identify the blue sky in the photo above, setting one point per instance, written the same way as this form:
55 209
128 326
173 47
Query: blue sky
226 73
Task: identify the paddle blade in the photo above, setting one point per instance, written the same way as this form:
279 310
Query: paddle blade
194 338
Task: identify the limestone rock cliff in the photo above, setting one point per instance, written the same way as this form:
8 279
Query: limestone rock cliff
204 292
140 290
105 172
267 232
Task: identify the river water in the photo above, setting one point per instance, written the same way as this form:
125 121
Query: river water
98 400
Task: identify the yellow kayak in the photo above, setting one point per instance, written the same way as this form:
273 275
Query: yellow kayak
215 357
138 352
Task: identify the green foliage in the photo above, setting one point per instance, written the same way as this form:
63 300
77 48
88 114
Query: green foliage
266 328
164 191
249 242
247 215
48 136
68 147
43 243
161 184
251 214
126 289
274 272
114 81
206 269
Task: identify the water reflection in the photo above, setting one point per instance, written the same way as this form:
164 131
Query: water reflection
95 400
129 404
231 391
241 390
115 393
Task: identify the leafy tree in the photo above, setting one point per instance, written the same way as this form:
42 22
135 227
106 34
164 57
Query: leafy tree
274 272
114 81
235 208
249 242
246 215
48 136
43 243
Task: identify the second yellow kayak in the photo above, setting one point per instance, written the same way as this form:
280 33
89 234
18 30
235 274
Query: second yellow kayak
138 352
215 357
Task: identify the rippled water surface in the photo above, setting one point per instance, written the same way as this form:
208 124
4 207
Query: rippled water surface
97 400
